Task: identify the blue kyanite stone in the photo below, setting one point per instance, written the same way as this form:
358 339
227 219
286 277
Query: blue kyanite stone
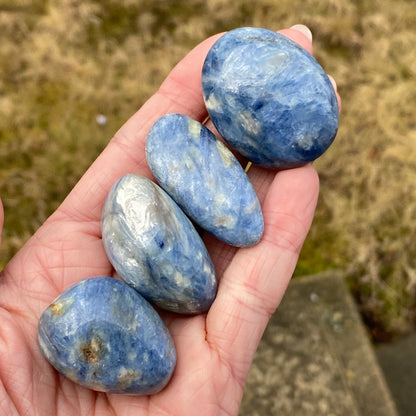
205 179
155 248
269 98
102 334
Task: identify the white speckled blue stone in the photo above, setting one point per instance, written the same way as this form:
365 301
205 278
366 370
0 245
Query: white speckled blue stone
205 179
102 334
155 248
269 98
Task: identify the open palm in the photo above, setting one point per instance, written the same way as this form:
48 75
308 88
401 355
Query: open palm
214 350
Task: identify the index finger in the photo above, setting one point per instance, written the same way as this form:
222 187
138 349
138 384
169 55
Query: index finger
181 92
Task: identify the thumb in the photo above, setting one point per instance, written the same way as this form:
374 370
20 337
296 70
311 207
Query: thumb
1 220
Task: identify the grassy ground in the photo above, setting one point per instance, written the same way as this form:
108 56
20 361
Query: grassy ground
64 62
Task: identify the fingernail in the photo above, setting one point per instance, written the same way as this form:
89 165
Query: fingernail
334 84
303 29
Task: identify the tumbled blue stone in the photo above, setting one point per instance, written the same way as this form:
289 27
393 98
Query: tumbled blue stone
102 334
269 98
205 179
155 248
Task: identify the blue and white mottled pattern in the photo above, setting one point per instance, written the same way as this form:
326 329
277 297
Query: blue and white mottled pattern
269 98
205 179
102 334
155 248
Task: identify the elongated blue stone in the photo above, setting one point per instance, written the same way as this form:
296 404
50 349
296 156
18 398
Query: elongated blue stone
205 179
155 248
102 334
269 98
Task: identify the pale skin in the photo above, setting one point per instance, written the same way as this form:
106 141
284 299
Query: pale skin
214 350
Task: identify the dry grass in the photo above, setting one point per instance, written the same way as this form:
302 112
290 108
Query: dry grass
63 63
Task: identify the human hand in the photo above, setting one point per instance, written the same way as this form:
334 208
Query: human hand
214 350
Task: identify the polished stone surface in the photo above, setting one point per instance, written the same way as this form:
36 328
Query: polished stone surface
102 334
269 98
205 179
155 248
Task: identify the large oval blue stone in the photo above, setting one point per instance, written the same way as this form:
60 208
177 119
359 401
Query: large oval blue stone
269 98
155 248
205 179
102 334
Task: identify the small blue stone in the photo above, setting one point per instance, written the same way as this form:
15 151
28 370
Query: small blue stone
269 98
205 179
155 248
102 334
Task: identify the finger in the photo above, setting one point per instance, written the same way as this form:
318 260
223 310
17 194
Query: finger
68 246
334 85
181 92
253 284
300 34
1 220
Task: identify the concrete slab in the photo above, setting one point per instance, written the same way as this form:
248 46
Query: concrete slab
398 361
315 357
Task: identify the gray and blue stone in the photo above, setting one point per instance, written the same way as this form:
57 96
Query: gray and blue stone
269 98
103 335
155 248
205 179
